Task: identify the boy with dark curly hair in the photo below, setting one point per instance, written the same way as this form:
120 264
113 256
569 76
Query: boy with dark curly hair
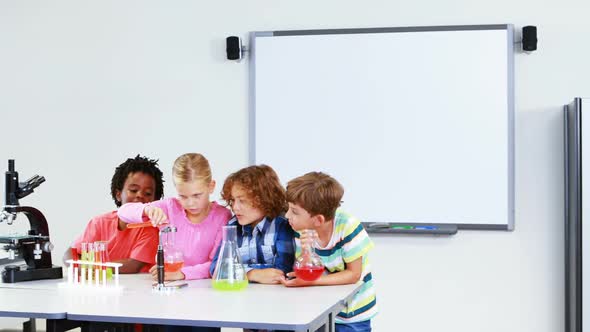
265 238
136 180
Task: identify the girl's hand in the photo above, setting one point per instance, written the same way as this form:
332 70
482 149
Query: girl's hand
168 276
295 282
156 215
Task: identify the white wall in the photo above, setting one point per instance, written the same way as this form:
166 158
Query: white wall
67 68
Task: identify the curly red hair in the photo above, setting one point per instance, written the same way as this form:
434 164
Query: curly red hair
262 186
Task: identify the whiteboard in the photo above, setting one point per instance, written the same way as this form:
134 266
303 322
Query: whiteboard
416 123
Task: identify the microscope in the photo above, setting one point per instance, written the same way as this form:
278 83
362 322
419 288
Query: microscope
34 248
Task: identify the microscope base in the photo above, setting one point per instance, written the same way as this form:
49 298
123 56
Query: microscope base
13 273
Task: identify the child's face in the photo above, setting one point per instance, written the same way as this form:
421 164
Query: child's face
138 187
194 196
242 206
299 218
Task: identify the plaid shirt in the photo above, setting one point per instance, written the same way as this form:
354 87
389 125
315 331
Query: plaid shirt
269 244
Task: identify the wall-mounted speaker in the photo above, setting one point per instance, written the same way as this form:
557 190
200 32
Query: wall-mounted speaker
529 38
233 47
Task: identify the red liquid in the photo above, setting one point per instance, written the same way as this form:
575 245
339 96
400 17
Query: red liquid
97 256
103 258
74 255
309 273
173 267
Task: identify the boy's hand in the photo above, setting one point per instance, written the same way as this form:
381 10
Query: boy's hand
168 276
266 276
308 236
295 282
155 214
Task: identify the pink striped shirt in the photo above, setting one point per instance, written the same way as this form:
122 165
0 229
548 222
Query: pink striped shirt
198 242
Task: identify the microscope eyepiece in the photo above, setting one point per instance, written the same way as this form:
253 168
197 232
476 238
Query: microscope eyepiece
27 187
16 190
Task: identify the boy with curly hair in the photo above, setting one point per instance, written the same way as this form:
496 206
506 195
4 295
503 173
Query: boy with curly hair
265 239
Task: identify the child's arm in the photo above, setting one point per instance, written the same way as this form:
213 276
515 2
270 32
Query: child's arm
355 245
350 275
130 265
284 257
266 276
197 271
138 212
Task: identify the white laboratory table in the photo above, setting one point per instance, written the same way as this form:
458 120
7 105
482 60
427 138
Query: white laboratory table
31 303
256 307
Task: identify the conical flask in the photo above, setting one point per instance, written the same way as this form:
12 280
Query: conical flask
229 272
308 265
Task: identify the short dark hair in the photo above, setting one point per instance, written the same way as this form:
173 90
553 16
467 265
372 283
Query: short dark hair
317 193
134 165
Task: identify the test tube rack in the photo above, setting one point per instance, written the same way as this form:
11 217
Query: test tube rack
90 274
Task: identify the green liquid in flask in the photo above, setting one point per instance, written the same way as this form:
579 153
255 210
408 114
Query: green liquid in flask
225 285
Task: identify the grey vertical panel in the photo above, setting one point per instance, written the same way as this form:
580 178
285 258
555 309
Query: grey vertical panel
573 217
252 101
511 138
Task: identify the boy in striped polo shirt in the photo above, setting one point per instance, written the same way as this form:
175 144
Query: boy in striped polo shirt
341 242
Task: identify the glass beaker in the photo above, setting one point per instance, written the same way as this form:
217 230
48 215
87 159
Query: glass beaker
308 266
229 272
173 258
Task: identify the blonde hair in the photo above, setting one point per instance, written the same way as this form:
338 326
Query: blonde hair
191 167
316 192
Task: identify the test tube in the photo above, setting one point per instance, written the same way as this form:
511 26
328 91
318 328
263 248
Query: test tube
84 254
103 260
97 258
74 252
90 259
